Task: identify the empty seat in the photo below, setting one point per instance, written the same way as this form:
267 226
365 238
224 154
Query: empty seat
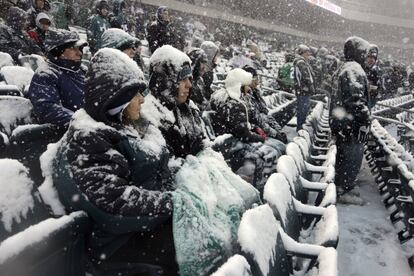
17 75
10 90
14 111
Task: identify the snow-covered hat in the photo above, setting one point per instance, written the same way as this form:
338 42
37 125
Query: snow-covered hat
58 40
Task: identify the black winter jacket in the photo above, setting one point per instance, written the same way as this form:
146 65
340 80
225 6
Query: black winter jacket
160 34
304 79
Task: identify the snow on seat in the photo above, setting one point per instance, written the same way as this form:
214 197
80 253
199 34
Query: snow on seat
327 264
54 246
5 60
300 187
327 159
324 228
14 111
236 265
20 202
10 90
17 75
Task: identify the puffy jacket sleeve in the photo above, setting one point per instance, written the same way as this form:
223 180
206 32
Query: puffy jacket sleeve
237 124
45 97
304 77
103 175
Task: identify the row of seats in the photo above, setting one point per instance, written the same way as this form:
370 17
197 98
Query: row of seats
402 101
296 230
392 167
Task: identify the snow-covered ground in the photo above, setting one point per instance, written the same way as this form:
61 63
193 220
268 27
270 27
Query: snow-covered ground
368 244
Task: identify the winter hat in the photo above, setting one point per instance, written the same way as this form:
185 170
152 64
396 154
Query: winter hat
322 52
251 70
160 11
235 79
118 39
112 80
356 49
197 57
16 18
42 16
302 48
58 40
289 57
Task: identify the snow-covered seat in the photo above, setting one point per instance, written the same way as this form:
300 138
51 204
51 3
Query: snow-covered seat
17 75
236 265
290 212
20 202
308 170
321 159
14 111
269 250
314 148
5 60
10 90
28 142
55 246
301 187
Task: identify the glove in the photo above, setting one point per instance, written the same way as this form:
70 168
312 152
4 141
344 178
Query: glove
261 132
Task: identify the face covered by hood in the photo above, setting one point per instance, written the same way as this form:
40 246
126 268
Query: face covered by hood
41 16
212 51
159 14
197 56
100 5
17 18
168 66
356 49
112 80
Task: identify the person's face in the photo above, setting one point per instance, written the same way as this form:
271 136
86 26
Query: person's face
184 87
40 4
306 55
131 52
72 53
104 12
133 111
44 25
246 89
371 61
166 16
255 83
203 68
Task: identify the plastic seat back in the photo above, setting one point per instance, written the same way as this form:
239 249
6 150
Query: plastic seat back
235 265
14 111
287 166
17 75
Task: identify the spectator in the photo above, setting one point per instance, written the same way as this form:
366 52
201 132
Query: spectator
119 162
117 19
304 83
63 14
350 116
212 52
42 27
286 74
170 84
56 91
373 73
98 24
160 31
199 65
14 39
37 7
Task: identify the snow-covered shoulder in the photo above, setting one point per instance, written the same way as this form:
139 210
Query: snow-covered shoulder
16 197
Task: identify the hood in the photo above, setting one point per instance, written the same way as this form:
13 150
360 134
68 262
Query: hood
356 49
322 52
58 39
118 6
166 63
197 57
301 49
236 78
160 10
373 51
112 77
211 50
41 16
116 38
16 18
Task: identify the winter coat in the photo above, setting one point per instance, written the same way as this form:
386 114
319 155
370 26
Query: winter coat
304 79
231 112
37 34
96 27
121 170
184 131
286 76
350 98
13 40
198 91
160 34
62 15
117 19
211 50
34 11
57 91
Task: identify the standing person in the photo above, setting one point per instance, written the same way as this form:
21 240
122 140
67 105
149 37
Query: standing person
117 19
304 83
38 34
350 118
373 73
170 84
286 74
98 24
118 162
14 39
160 31
37 7
56 91
213 52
